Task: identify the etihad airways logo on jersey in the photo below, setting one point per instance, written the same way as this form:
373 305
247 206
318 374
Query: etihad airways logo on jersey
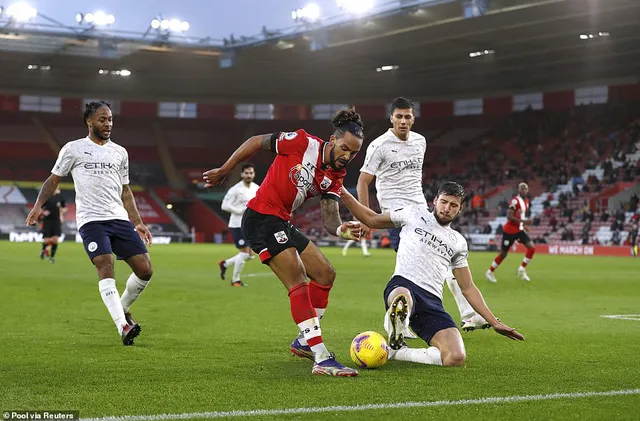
408 164
99 168
434 242
302 177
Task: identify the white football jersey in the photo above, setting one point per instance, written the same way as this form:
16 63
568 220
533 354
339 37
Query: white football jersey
235 202
98 172
397 166
428 250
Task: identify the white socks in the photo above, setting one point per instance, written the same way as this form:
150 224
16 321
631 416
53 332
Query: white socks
230 261
301 338
466 311
429 355
240 259
346 247
363 244
134 288
310 329
111 299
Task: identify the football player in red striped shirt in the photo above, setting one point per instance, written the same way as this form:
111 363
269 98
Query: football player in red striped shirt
515 229
305 167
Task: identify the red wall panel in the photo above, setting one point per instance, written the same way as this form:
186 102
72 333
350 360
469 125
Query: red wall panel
217 111
138 109
436 109
72 106
291 112
559 100
9 102
369 111
624 93
498 105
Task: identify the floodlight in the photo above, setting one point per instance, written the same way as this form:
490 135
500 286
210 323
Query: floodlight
21 12
155 24
309 13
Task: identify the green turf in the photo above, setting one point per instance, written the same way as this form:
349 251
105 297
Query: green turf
208 347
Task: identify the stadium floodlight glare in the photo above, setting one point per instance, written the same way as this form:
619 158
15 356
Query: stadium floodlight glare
584 36
1 10
481 53
32 66
309 13
21 12
125 72
96 19
387 68
357 7
170 25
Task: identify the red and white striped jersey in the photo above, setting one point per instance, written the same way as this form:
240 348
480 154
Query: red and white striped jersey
520 207
296 174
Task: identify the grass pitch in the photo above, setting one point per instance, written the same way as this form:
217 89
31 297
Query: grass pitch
207 347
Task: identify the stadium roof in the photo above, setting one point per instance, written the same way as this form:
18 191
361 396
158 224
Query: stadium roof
531 46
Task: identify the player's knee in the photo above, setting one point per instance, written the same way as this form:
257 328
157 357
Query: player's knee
397 291
454 358
105 269
145 271
327 275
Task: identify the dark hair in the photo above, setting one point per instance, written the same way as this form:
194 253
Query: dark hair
402 103
246 166
451 188
92 107
347 120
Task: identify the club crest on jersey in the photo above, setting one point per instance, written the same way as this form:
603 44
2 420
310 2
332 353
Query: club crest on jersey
289 136
325 183
281 237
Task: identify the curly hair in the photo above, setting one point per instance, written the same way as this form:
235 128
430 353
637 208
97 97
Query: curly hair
92 107
347 120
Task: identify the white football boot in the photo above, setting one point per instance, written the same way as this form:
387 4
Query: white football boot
491 277
522 273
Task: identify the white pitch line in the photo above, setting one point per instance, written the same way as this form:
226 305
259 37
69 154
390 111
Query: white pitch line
634 317
351 408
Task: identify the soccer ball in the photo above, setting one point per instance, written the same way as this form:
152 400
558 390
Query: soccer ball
369 350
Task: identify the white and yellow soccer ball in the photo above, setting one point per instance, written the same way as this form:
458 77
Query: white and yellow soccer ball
369 350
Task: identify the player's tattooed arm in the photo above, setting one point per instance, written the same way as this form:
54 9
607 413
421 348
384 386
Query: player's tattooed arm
265 142
129 203
46 191
331 215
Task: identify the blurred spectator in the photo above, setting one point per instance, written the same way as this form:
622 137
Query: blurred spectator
536 221
615 238
604 215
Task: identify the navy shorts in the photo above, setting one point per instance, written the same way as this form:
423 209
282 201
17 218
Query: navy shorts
428 316
238 238
115 236
394 236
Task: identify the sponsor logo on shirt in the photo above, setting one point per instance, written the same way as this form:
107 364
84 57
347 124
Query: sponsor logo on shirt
408 164
302 177
435 242
98 168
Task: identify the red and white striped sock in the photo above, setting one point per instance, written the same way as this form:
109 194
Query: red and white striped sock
496 263
306 318
528 257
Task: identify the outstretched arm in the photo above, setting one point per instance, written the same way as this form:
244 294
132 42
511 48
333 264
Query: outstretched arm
249 148
46 191
129 203
475 298
333 223
364 214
